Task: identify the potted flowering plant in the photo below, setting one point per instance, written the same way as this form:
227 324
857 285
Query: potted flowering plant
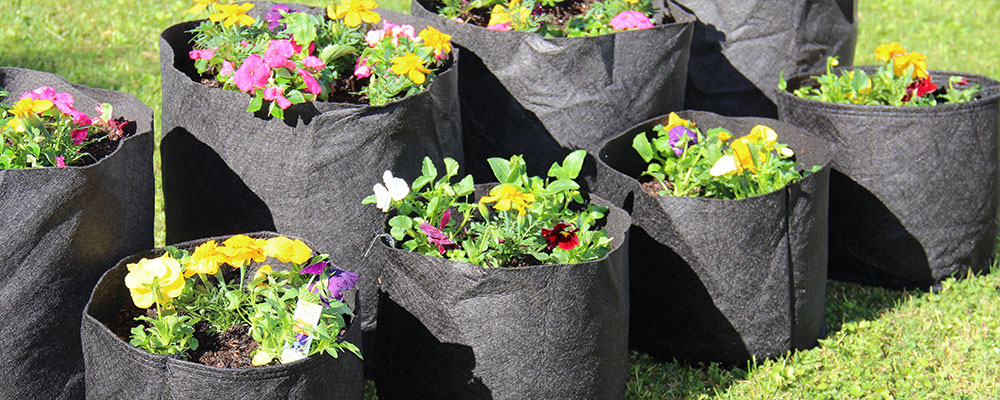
76 194
530 261
529 88
729 227
738 49
904 215
217 316
226 170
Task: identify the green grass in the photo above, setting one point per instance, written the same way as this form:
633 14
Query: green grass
883 344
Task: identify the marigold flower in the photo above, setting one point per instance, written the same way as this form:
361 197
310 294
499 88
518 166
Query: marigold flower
561 237
917 60
241 249
205 260
287 250
354 11
200 5
630 20
507 195
439 41
411 66
233 13
164 271
889 51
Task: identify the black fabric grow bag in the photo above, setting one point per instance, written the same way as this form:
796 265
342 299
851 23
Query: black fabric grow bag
62 227
227 171
117 370
739 47
543 98
914 190
723 280
452 330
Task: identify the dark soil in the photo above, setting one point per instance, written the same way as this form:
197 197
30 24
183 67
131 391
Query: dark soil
652 187
232 348
523 260
102 148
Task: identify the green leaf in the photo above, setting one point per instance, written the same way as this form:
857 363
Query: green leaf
369 200
401 221
420 182
302 28
557 171
562 185
574 163
464 187
276 111
642 146
296 97
335 51
256 102
500 167
428 169
450 167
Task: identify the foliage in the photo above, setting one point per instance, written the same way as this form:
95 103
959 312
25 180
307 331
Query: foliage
686 162
534 220
602 17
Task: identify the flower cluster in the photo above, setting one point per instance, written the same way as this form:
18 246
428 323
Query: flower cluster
902 81
533 220
685 162
291 56
180 285
43 129
398 60
602 17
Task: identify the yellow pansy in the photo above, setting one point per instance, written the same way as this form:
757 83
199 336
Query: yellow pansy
165 271
287 250
233 13
674 120
507 195
354 11
763 135
241 249
889 51
917 60
411 66
262 272
744 156
206 259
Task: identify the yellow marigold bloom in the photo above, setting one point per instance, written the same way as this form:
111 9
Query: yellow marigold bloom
353 12
507 195
439 41
724 165
262 272
889 51
287 250
205 260
725 136
200 5
241 249
24 109
917 60
233 13
410 65
165 271
498 16
673 120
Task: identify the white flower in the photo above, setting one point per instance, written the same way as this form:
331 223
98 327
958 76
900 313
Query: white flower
395 189
785 151
725 165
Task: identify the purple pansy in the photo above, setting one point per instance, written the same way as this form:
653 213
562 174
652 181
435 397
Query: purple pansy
677 134
315 269
274 17
336 284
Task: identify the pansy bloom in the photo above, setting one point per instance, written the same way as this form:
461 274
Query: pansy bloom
561 237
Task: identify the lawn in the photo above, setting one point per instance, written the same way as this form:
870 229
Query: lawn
883 344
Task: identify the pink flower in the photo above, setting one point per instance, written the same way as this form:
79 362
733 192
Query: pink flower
78 136
205 54
374 36
253 73
500 27
63 101
459 20
311 84
274 93
80 118
631 20
277 54
313 62
227 69
298 48
405 30
362 69
60 161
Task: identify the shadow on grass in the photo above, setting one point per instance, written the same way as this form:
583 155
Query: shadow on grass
653 379
852 302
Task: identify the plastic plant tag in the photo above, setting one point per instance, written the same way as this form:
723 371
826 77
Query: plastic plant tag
306 314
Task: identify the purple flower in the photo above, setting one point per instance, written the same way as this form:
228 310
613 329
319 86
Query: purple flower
677 135
336 284
274 17
315 269
435 236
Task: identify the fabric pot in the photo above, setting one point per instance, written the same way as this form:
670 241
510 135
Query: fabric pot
739 48
543 98
117 370
724 280
453 330
914 189
227 171
62 227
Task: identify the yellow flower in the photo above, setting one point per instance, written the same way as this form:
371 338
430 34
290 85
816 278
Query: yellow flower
498 16
673 120
164 271
205 260
889 51
743 155
724 165
785 151
917 60
764 135
354 11
410 65
287 250
241 249
725 136
232 14
439 41
26 109
262 272
200 6
507 195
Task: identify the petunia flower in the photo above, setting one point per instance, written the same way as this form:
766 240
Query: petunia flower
561 237
277 53
631 20
362 69
233 13
677 141
311 84
411 66
252 74
60 161
353 12
205 260
439 41
395 189
507 196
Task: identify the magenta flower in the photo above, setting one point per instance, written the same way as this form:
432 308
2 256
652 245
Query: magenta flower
435 236
362 69
275 94
311 84
500 27
63 101
227 69
78 136
313 62
60 161
314 269
205 54
252 74
298 48
631 20
79 117
277 54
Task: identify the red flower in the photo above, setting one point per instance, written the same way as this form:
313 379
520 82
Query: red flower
560 236
919 88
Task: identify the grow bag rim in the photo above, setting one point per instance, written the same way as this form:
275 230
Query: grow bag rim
121 142
683 18
659 199
485 271
258 372
990 91
336 104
